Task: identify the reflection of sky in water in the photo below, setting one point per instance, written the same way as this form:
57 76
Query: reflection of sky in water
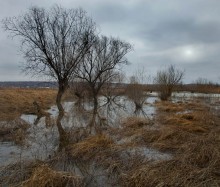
147 152
9 152
40 143
194 95
184 96
43 140
122 108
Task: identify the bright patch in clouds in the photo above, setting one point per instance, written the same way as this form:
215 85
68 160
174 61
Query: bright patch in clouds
189 53
178 54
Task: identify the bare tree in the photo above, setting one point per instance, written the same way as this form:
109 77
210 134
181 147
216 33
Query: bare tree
113 88
100 67
167 80
100 64
135 90
53 41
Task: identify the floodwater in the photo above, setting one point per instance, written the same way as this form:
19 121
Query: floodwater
42 140
9 152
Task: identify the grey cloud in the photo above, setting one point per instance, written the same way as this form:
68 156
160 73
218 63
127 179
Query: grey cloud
158 30
181 32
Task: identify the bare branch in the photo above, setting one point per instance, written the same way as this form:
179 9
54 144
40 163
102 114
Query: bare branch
54 41
101 62
167 80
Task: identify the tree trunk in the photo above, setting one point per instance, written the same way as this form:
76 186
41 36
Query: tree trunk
95 101
170 90
92 124
62 134
64 139
60 93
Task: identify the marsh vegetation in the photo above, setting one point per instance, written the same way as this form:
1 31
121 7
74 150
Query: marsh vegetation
117 147
95 130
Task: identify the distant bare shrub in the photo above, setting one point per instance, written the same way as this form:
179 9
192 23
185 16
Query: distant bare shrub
135 90
167 80
203 85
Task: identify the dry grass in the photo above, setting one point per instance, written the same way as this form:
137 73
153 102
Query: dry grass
176 128
91 147
167 106
203 152
100 150
37 174
188 131
15 101
13 131
13 174
44 176
135 122
194 141
76 135
192 117
196 164
132 126
165 139
186 124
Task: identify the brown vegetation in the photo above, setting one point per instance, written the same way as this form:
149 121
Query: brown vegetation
187 131
46 176
14 174
195 164
133 126
37 174
17 101
14 131
135 92
167 80
91 147
191 117
193 140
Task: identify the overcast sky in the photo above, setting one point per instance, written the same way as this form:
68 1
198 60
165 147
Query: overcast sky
163 32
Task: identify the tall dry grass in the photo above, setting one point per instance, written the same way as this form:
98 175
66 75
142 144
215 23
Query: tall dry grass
190 132
15 101
15 131
93 147
196 163
44 175
37 174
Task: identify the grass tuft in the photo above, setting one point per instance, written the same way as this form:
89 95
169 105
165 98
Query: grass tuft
45 176
91 147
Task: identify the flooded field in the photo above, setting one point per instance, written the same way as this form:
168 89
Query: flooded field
127 135
42 139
